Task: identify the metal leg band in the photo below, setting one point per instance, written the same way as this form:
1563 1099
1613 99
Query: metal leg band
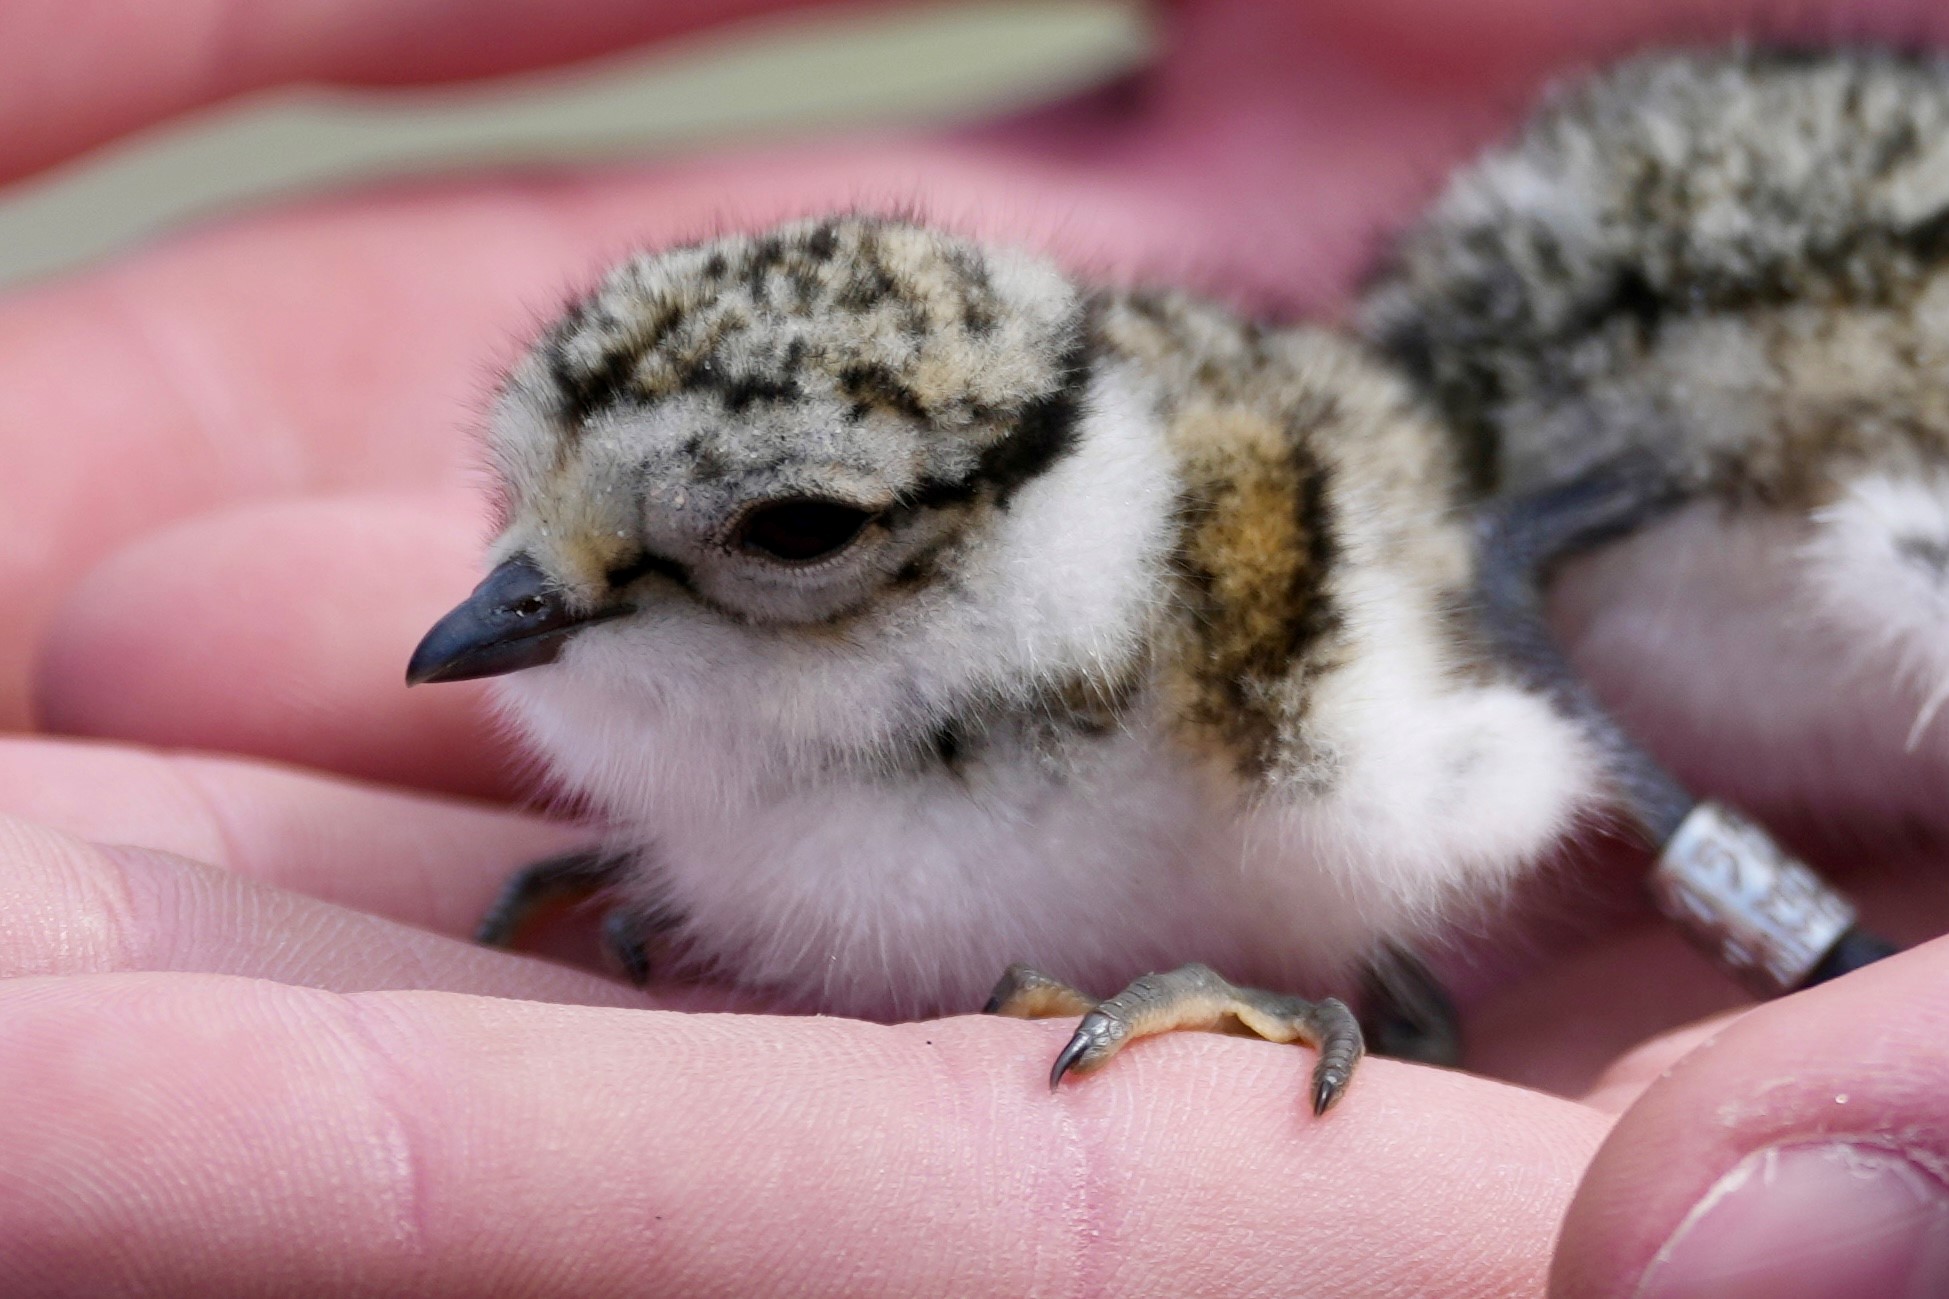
1767 919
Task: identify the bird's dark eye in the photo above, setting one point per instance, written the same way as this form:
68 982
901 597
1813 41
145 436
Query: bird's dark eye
801 531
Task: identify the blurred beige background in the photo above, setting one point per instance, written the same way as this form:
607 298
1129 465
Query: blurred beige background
753 81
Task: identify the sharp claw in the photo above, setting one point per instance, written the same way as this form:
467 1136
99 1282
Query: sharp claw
993 1006
1327 1089
1078 1047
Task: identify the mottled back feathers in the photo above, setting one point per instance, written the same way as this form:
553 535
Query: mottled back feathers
1732 257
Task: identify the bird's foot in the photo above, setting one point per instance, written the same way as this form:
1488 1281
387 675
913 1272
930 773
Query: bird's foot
1192 997
1405 1012
565 880
553 881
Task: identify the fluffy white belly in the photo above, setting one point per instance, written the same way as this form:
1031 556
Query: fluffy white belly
1781 662
892 899
898 895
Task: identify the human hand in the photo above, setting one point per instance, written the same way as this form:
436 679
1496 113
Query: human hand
222 1084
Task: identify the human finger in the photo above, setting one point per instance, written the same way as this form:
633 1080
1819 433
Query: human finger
1600 1020
430 862
176 1134
65 85
282 630
1797 1153
1618 1086
71 907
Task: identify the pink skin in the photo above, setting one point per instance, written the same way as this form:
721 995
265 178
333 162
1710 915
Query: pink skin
240 483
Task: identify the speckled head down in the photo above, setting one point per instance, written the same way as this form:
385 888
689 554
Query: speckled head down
737 415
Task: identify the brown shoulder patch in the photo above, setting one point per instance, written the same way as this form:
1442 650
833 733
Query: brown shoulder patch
1255 555
1256 543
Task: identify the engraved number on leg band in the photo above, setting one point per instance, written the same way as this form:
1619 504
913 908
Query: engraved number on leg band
1765 917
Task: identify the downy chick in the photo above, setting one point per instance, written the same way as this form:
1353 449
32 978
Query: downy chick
1729 269
907 609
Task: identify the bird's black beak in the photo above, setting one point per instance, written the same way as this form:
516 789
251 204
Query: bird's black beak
515 619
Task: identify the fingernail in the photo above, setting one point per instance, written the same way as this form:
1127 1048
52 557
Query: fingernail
1836 1221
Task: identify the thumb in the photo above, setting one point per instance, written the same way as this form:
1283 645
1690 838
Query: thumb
1799 1153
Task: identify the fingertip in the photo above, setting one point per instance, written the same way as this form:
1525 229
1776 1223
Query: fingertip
1735 1148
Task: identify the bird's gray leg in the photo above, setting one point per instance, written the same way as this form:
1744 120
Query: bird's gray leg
1763 917
1191 997
570 877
